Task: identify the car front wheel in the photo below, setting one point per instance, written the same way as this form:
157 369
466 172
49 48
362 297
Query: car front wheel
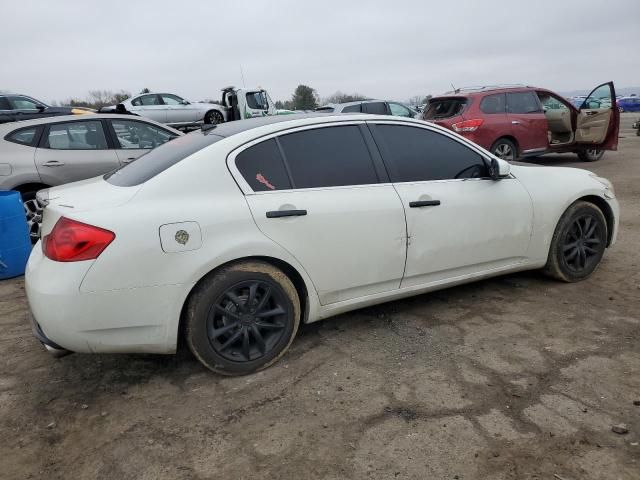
242 318
578 243
591 155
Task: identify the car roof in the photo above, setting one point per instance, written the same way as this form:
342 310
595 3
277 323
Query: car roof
473 91
87 116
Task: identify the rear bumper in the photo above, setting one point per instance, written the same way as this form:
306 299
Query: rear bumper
52 347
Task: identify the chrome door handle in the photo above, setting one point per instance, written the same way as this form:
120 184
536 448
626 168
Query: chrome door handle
515 122
53 163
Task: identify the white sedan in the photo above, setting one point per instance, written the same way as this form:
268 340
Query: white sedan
231 236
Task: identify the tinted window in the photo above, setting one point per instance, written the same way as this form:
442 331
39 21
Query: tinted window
24 136
87 135
23 103
378 108
262 167
135 135
493 103
158 160
522 102
4 104
351 109
324 109
444 108
327 157
416 154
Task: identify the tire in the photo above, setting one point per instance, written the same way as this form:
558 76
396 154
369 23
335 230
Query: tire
621 109
33 211
213 117
505 149
219 321
582 225
590 155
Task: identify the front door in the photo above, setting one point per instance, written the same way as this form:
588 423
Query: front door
599 119
322 201
150 106
178 111
459 221
73 151
528 123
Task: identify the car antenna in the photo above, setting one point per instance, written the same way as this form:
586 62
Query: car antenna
454 89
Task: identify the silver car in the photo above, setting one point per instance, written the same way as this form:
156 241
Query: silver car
376 107
47 152
170 109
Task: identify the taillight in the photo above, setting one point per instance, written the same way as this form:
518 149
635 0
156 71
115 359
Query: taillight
72 241
467 125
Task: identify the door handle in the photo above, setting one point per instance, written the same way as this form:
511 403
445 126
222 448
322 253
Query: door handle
53 163
515 122
424 203
129 160
286 213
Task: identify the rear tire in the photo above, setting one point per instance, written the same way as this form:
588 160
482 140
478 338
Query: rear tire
578 243
33 211
505 149
591 155
242 318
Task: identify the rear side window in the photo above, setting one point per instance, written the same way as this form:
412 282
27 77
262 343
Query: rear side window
81 135
4 104
377 108
328 157
444 108
262 167
24 136
416 154
523 102
351 109
324 109
493 103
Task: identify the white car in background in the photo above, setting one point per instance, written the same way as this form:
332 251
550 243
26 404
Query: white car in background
233 235
375 107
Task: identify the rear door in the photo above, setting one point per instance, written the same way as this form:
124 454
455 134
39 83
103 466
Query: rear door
599 119
528 122
133 138
150 106
320 194
72 151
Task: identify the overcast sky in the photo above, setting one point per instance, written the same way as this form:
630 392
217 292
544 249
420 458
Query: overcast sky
388 49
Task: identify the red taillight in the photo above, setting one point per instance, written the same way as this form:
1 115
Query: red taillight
467 125
72 241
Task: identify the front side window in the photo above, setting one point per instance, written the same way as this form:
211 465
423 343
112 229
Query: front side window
352 109
377 108
328 157
23 103
400 110
169 99
262 167
4 104
257 101
132 134
86 135
24 136
493 103
416 154
599 99
522 102
147 100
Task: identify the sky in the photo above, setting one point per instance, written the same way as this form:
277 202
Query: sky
54 50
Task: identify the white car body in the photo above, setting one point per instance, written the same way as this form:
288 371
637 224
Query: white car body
359 245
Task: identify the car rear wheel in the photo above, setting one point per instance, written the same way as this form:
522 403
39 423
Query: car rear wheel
213 117
242 318
33 211
621 109
591 155
578 243
505 149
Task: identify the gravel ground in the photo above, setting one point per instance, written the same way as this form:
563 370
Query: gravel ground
511 378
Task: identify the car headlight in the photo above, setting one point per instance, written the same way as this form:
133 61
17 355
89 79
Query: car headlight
609 191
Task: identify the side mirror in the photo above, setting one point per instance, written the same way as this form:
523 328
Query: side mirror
40 108
499 168
185 102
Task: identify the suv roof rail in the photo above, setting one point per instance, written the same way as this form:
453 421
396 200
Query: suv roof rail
479 88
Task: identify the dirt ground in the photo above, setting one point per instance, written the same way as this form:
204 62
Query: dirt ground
519 377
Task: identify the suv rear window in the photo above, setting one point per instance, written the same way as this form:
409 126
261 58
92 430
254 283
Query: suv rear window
444 108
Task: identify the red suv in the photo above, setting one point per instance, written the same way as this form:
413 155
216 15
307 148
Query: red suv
519 121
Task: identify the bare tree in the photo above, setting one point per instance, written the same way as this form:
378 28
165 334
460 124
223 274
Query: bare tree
340 97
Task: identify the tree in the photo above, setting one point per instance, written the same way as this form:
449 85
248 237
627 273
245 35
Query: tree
304 98
145 90
286 105
98 99
419 99
339 97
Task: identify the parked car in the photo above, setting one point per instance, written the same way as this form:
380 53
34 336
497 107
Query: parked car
636 125
42 153
377 107
628 104
14 108
232 236
511 122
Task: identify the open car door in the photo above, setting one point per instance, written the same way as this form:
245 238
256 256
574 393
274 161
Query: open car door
599 119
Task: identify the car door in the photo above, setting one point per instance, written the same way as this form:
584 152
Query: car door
150 105
6 110
71 151
134 138
177 110
528 122
318 193
25 108
459 221
256 105
598 121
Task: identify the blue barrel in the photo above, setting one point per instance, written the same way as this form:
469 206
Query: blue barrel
15 244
